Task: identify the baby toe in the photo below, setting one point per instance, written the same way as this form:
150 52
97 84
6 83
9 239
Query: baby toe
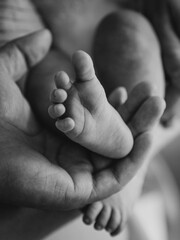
114 221
103 218
65 125
56 111
83 65
92 212
59 109
58 96
116 232
62 80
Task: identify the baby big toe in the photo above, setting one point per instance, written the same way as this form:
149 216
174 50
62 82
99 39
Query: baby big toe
103 218
92 212
83 65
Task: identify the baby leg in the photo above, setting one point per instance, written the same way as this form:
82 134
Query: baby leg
126 52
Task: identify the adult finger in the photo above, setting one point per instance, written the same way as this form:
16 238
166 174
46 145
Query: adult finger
27 178
174 9
18 56
172 103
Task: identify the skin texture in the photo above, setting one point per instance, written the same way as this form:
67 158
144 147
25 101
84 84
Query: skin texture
47 205
25 121
124 209
32 167
57 60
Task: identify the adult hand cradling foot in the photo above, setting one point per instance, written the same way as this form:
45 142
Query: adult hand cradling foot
36 169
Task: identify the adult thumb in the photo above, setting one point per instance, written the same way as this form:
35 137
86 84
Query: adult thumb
18 56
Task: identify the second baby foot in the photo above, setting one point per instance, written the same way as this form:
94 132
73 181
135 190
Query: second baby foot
142 111
84 114
105 214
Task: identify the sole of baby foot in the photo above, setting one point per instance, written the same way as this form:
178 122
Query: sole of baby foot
85 116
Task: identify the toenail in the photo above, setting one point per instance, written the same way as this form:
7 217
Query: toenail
87 221
98 227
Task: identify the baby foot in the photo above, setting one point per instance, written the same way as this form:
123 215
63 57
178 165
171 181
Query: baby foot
84 114
105 214
142 111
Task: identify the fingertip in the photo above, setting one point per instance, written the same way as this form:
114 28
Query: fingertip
35 46
44 34
47 34
19 55
160 104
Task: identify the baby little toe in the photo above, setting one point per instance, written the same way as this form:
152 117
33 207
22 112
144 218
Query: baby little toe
83 65
103 218
92 212
58 96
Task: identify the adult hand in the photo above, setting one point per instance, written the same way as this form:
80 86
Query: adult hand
38 169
